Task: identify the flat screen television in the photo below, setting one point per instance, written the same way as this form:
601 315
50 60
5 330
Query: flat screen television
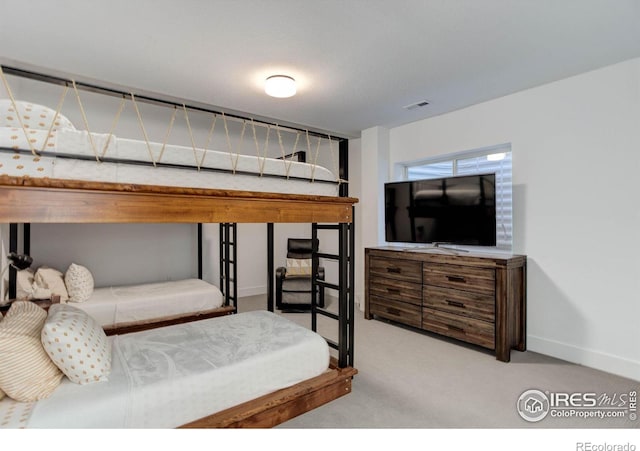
451 210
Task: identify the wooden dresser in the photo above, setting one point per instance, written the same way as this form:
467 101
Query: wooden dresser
475 298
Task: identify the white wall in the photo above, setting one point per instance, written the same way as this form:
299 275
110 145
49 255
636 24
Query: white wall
576 160
373 158
118 254
355 186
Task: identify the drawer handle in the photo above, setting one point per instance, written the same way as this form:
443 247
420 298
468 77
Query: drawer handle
459 279
394 270
455 328
455 303
393 290
393 311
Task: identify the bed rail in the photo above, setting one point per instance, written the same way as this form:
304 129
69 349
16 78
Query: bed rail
25 199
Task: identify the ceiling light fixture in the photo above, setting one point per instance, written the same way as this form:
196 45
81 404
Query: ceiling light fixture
281 86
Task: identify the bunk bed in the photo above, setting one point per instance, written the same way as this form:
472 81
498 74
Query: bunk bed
38 142
58 199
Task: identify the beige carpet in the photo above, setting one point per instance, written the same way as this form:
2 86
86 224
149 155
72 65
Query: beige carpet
409 379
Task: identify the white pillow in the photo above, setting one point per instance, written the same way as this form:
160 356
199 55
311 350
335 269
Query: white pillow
77 344
52 279
27 288
33 116
26 371
79 282
24 284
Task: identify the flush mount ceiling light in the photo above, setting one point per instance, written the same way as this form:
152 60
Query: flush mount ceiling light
281 86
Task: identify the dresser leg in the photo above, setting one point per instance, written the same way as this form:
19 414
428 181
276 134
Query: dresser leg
503 354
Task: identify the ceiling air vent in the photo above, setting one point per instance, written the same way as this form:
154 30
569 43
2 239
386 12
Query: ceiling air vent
413 106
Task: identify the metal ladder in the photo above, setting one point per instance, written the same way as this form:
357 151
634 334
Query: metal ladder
344 287
228 267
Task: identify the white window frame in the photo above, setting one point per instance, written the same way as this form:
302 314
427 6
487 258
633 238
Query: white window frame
504 233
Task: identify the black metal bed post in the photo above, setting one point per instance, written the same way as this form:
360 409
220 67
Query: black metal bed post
200 250
26 239
315 262
228 258
351 288
347 234
223 270
13 247
344 287
343 295
234 228
343 165
270 267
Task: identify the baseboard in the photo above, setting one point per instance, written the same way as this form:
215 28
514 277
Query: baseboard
609 363
260 290
252 291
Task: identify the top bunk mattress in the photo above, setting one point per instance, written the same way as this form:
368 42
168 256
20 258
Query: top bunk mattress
171 376
69 154
134 304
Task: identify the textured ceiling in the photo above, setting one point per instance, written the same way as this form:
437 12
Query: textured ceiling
358 62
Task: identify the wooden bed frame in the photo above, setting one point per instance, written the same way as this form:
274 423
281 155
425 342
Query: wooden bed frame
34 200
127 328
285 404
26 199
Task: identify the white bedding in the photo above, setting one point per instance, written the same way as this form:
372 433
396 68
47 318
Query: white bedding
303 178
167 377
111 306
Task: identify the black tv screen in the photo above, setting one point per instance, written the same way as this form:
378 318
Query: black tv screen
452 210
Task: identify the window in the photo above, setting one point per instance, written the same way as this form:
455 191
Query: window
491 160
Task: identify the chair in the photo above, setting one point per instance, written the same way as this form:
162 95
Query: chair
293 282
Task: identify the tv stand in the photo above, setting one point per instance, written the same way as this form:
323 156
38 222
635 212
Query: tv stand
476 298
448 247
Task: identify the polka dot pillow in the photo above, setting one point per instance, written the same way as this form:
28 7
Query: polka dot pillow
76 344
33 116
79 283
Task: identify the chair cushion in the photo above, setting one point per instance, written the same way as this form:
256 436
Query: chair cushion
297 284
298 267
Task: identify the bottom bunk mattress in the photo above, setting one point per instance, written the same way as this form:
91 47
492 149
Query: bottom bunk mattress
134 304
170 376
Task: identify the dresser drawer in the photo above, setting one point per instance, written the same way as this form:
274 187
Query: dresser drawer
467 303
460 327
402 312
468 278
407 270
398 290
